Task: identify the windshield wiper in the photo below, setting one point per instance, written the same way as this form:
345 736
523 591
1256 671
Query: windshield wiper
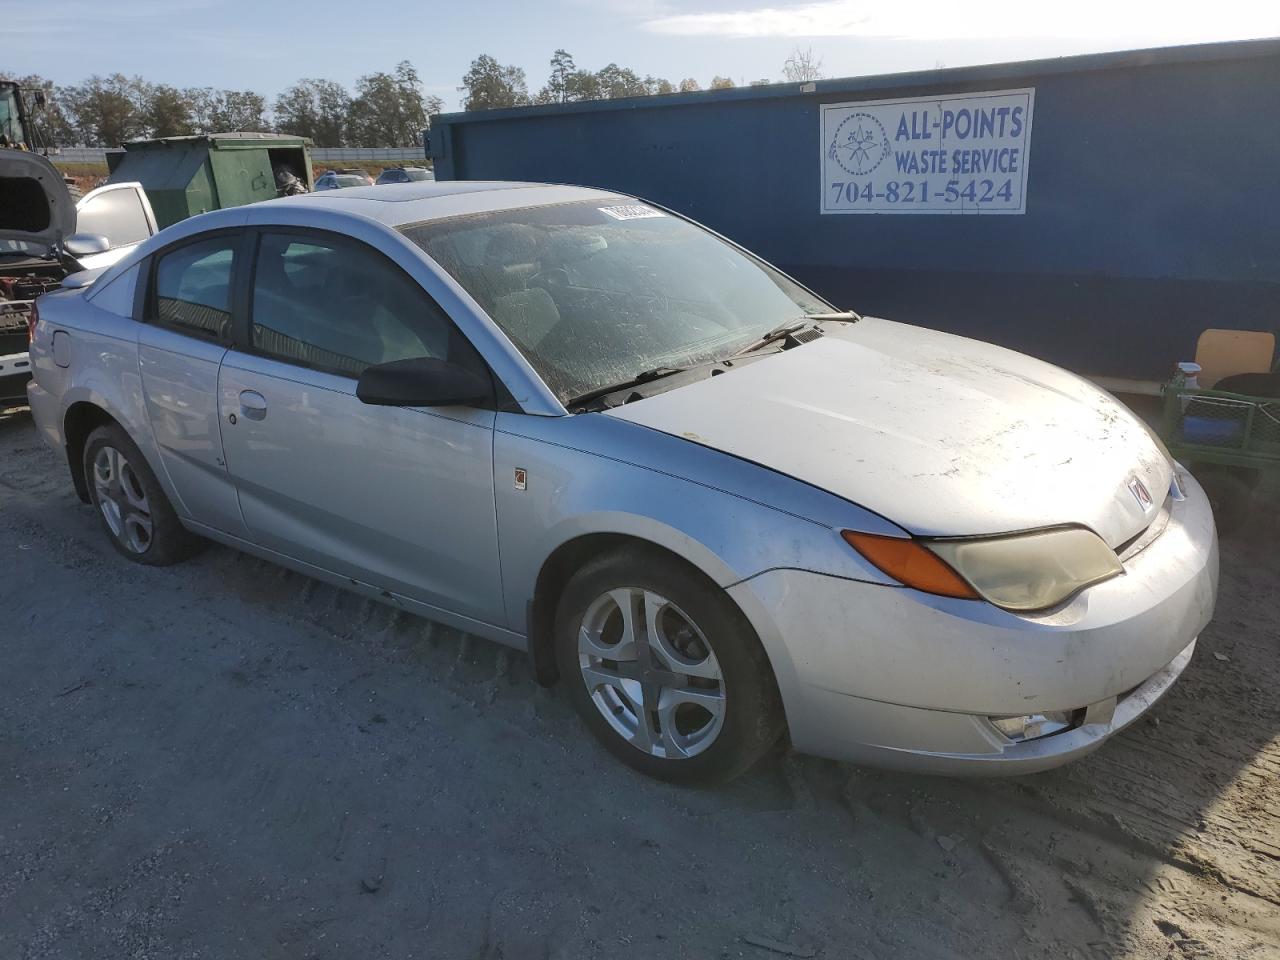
658 373
644 376
788 327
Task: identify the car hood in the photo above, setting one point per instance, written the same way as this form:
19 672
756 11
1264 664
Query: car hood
36 207
943 435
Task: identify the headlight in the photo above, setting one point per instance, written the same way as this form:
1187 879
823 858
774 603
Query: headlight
1031 571
1022 572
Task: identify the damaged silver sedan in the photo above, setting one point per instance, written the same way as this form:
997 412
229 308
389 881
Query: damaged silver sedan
719 511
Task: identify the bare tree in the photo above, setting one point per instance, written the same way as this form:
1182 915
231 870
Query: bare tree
802 66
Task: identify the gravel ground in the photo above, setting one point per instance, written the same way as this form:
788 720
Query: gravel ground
223 759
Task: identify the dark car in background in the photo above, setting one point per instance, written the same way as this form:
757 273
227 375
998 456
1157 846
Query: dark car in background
336 179
404 175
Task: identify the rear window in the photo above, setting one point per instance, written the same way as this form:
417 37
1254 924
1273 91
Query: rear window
193 287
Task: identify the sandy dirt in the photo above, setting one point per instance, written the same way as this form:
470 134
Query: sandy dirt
223 759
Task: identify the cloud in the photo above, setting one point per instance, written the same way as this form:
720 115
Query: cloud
1176 21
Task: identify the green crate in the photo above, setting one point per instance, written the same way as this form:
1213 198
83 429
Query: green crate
1213 426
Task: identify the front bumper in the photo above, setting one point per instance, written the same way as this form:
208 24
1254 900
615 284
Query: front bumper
894 677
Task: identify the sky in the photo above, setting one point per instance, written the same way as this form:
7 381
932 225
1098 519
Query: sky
265 45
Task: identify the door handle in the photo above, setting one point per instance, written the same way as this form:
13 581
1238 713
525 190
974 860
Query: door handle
253 404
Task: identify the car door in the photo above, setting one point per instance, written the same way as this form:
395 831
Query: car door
398 497
187 314
120 212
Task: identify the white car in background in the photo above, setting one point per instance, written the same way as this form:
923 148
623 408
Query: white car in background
118 213
45 237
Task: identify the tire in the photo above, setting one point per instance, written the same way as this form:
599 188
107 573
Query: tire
700 676
132 507
1230 493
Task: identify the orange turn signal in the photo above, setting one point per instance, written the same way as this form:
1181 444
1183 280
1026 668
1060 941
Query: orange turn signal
910 563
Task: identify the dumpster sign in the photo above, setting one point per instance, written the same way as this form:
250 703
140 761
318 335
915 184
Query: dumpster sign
963 154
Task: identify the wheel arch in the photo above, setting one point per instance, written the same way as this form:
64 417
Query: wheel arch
570 556
80 420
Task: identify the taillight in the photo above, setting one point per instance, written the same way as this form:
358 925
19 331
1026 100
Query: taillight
32 319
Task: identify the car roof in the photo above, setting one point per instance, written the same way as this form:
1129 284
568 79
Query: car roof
396 204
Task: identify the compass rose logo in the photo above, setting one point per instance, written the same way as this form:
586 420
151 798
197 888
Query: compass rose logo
860 144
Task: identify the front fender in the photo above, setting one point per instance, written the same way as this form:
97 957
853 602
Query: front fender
714 522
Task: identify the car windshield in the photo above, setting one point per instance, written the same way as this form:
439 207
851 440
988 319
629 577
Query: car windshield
11 132
597 292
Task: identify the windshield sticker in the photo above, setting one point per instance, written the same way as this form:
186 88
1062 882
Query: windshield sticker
631 211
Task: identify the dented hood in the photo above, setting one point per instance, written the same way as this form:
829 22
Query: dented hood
942 435
35 205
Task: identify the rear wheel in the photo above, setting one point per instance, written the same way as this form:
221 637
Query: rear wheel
664 669
133 509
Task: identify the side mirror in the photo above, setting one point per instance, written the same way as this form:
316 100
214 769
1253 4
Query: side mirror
86 244
422 382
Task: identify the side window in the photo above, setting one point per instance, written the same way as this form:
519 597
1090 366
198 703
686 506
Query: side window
193 287
116 214
339 306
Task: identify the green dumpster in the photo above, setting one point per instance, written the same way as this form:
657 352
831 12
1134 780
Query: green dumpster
184 176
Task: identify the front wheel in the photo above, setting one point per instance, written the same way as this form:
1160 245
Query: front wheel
664 669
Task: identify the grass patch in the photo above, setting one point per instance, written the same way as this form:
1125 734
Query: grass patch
81 169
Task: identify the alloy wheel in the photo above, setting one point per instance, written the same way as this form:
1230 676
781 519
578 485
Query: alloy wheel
651 673
122 499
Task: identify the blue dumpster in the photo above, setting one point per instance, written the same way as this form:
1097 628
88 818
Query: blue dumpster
1098 211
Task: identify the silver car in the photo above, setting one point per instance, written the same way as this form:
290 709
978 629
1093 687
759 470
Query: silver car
718 510
330 180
